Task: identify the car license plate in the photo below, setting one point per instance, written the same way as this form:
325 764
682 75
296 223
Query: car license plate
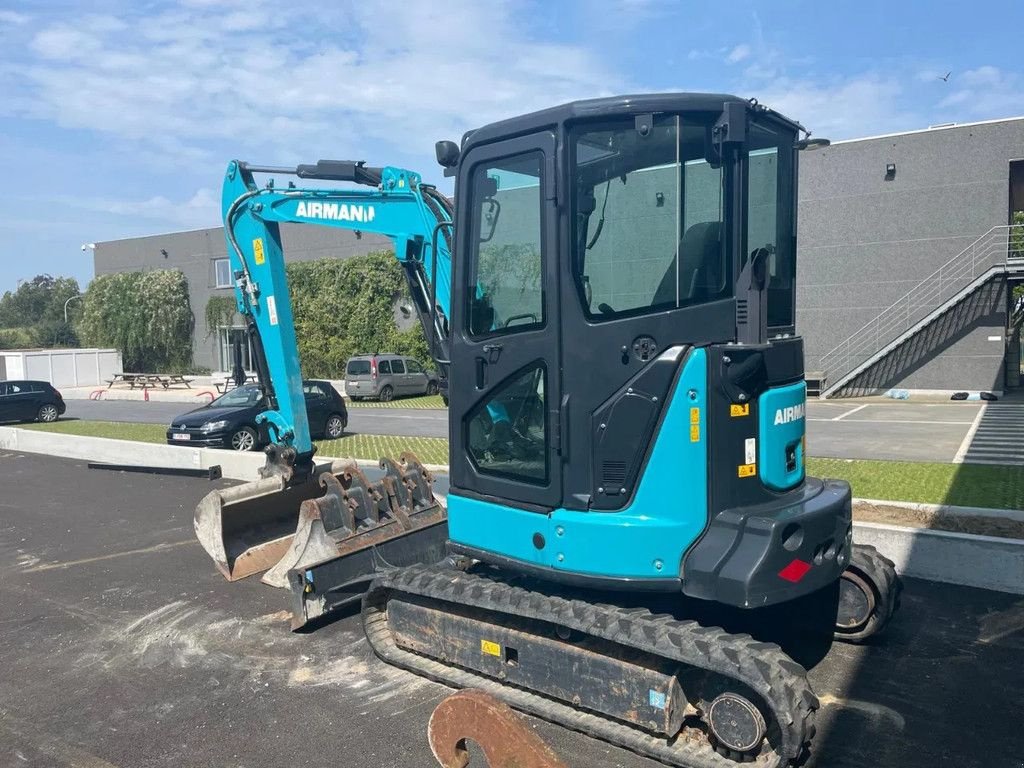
181 436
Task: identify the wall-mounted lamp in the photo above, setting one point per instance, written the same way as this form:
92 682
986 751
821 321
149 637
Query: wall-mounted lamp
890 171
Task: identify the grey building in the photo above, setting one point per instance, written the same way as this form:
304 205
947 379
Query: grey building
202 256
905 263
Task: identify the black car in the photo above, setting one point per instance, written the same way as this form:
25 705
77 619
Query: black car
30 401
230 420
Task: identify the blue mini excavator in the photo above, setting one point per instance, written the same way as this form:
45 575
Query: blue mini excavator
627 410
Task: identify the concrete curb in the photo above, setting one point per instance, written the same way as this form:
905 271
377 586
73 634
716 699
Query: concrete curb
987 562
947 509
234 465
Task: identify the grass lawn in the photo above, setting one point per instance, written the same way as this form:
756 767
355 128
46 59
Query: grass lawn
423 401
143 433
429 450
970 485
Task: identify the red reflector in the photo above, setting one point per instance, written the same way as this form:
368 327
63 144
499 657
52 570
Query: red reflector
795 571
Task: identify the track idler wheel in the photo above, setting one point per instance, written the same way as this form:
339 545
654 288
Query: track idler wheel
869 594
737 726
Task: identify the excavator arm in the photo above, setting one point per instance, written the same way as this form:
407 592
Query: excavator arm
415 216
299 513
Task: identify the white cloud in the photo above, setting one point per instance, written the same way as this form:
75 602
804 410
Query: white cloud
842 108
210 71
200 210
14 18
739 53
984 92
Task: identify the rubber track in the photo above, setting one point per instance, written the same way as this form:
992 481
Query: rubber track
881 572
780 681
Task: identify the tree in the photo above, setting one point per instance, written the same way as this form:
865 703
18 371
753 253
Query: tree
346 307
35 313
145 315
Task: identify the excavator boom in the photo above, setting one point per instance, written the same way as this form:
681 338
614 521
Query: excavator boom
300 513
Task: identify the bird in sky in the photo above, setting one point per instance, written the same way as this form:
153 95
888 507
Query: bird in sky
945 78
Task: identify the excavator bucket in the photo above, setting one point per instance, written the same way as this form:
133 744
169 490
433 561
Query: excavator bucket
267 525
247 528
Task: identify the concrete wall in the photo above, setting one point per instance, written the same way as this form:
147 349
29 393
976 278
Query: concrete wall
61 367
865 240
195 252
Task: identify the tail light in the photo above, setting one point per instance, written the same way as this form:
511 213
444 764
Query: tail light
373 368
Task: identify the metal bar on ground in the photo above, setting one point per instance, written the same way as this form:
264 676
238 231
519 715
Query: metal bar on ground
212 473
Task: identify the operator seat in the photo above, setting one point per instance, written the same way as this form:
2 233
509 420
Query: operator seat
700 266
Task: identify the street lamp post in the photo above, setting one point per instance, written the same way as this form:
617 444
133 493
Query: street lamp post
78 296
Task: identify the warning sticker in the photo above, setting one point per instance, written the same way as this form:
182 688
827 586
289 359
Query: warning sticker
739 410
272 310
750 450
747 470
491 649
695 433
257 249
695 415
657 699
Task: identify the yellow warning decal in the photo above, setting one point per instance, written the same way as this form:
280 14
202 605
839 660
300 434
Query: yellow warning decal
695 433
491 649
695 415
257 249
747 470
739 410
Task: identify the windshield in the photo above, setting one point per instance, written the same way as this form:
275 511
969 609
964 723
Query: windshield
648 217
237 398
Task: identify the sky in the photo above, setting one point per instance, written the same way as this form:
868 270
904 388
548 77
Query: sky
117 119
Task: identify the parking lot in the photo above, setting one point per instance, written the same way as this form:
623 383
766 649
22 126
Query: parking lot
916 431
842 429
122 647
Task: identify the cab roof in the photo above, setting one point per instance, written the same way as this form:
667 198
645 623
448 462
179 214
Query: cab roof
613 106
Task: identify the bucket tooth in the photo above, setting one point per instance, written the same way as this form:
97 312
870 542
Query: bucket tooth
356 514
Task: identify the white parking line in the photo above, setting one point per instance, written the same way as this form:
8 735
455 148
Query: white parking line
899 421
842 416
966 444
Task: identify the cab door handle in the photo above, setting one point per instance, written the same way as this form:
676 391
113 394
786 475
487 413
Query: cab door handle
481 373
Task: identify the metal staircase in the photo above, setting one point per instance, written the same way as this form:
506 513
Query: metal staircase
997 252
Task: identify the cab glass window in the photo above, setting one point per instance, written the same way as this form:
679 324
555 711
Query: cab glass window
648 214
507 432
413 366
505 287
770 216
397 366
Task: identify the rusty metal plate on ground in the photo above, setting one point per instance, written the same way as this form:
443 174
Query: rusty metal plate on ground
504 737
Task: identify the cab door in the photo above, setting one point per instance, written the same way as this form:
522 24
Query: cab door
505 374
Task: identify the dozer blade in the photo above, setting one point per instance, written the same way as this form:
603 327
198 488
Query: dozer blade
247 528
355 514
356 530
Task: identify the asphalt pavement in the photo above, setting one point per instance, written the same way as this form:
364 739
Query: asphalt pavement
121 647
414 422
842 429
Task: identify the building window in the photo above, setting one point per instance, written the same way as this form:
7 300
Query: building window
222 273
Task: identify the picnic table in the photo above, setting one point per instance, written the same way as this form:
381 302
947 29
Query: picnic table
149 380
223 385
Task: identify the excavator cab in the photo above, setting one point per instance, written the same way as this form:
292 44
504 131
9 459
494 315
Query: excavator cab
623 291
